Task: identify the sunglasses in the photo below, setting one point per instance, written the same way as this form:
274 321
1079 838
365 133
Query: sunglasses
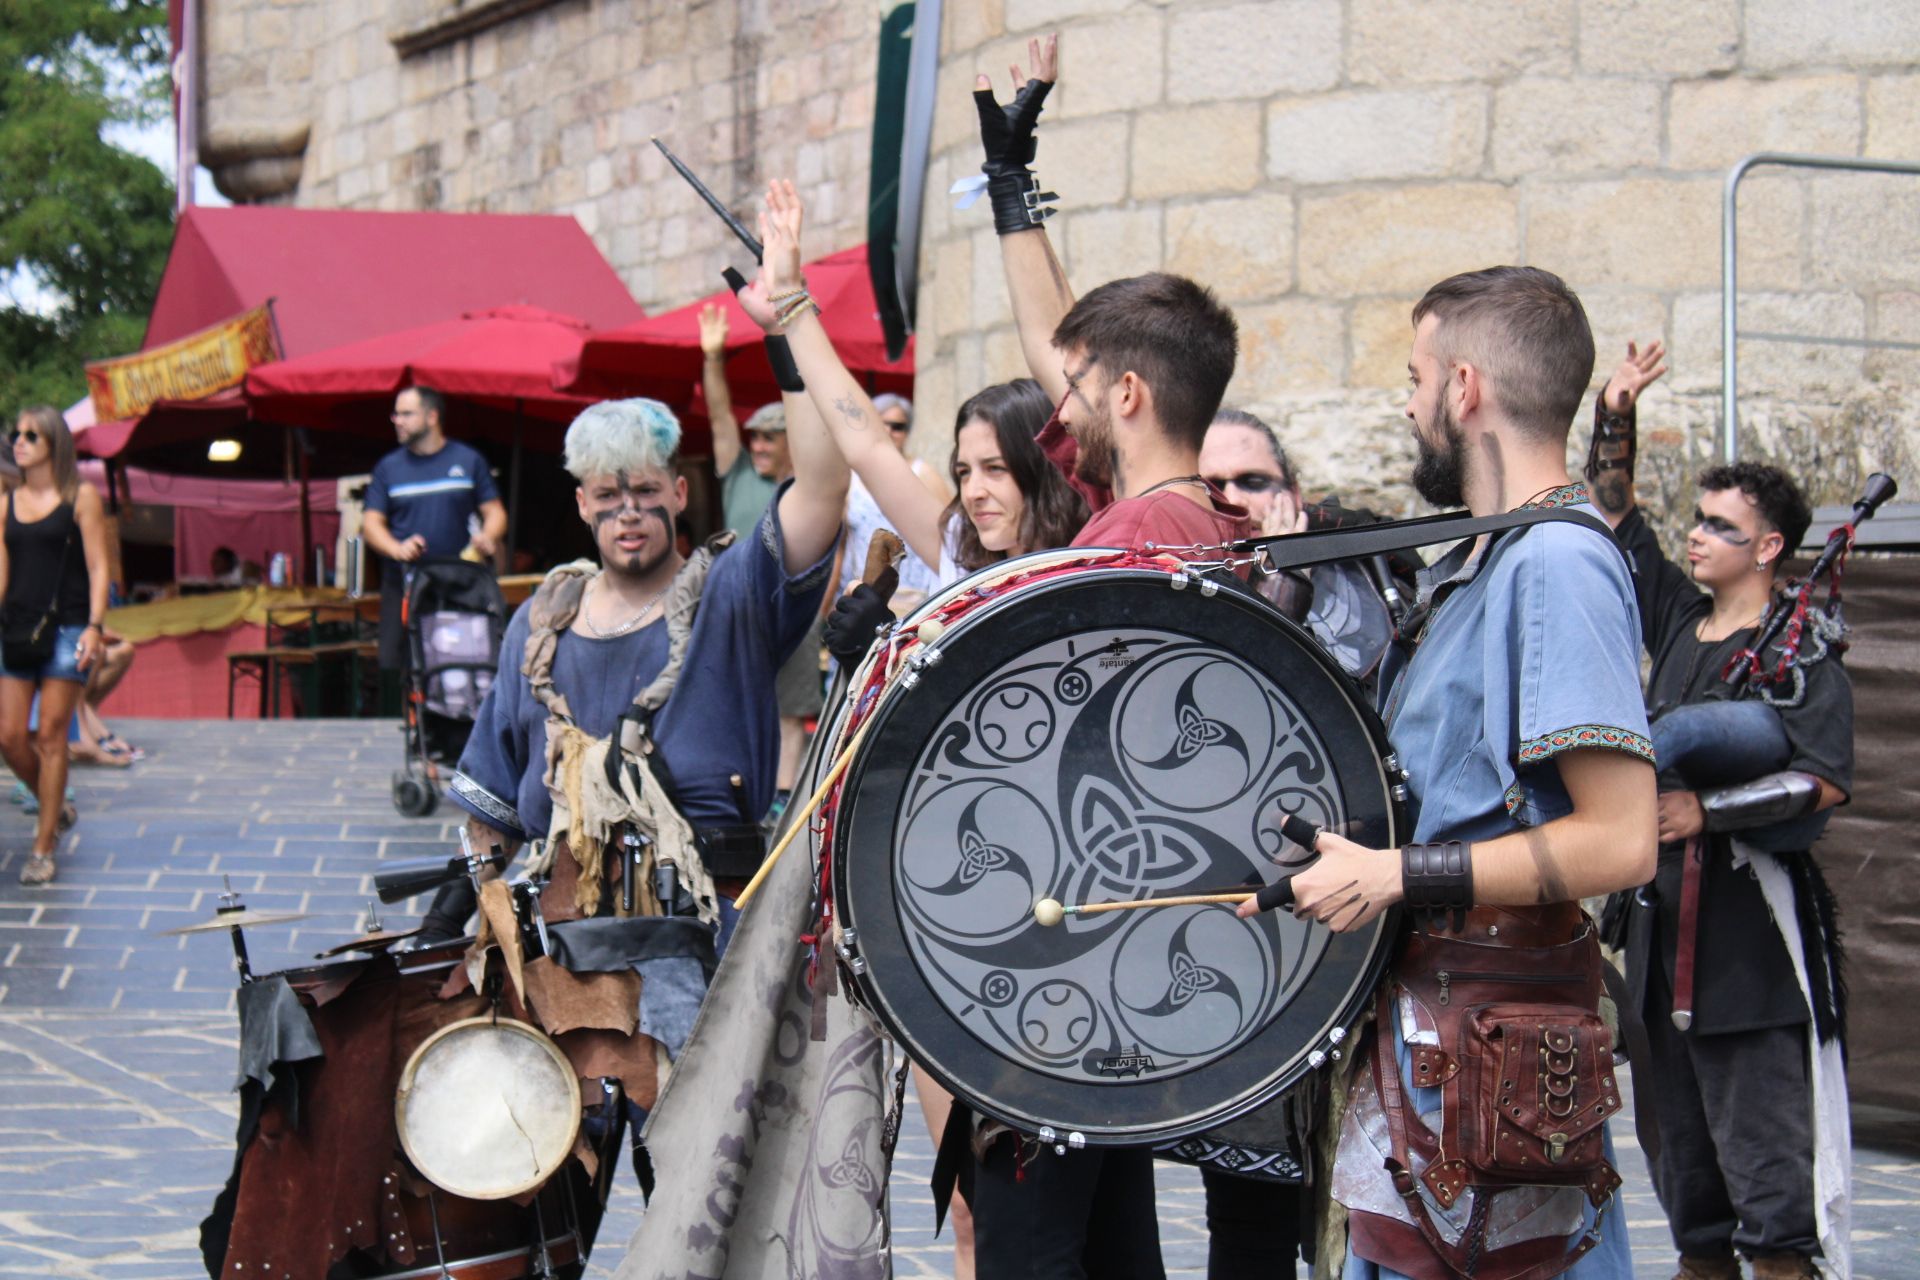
16 435
1251 482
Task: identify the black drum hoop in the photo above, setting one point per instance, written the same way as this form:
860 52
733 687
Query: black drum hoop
876 788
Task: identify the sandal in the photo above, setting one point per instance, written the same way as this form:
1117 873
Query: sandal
39 869
102 756
119 746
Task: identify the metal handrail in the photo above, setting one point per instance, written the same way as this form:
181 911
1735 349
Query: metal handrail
1729 269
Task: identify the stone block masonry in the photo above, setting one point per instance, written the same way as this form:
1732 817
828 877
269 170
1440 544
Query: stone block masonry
1319 162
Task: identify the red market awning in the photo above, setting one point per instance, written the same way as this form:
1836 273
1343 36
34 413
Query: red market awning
660 356
502 356
342 276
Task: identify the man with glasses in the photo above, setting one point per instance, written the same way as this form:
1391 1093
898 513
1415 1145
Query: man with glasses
424 501
1347 604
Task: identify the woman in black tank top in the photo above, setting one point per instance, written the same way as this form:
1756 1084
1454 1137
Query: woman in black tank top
53 568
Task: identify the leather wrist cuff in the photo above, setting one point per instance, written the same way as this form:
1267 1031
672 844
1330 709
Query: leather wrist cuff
1018 202
1771 798
1437 879
786 374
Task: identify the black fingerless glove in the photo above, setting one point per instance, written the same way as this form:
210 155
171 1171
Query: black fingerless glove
853 624
1006 134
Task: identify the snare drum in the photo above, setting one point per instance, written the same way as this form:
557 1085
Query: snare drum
1095 727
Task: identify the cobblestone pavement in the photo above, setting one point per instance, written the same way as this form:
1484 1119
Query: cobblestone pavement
117 1045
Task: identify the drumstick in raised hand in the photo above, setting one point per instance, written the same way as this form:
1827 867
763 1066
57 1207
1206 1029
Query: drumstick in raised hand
1049 912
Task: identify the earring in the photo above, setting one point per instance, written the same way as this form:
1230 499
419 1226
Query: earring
1759 566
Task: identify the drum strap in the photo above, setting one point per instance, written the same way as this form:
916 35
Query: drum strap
1301 550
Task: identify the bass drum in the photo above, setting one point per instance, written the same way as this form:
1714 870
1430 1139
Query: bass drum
1092 727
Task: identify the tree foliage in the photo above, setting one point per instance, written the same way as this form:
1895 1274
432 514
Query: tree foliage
83 224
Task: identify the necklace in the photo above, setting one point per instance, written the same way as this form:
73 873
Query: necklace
630 625
1700 628
1168 484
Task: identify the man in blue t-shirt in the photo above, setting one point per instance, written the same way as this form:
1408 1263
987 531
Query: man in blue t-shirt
422 502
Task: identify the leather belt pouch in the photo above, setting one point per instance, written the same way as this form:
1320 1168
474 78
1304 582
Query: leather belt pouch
731 852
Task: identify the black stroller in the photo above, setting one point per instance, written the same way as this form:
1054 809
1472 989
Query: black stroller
454 617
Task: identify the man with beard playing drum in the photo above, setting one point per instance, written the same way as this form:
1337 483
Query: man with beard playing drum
1473 1141
632 727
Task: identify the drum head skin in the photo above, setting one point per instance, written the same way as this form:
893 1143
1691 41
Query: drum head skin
487 1109
1096 737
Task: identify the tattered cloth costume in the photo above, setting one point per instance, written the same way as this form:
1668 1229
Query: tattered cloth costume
691 702
1754 1136
1530 650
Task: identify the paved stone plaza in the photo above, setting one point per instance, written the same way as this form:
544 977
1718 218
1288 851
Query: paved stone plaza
117 1045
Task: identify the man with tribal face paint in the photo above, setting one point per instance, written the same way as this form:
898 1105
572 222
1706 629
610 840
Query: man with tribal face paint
1746 1044
657 669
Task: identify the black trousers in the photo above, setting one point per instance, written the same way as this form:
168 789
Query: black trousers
1736 1135
1253 1226
1084 1215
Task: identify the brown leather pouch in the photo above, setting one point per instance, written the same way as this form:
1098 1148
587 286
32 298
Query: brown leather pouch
1538 1084
1525 1063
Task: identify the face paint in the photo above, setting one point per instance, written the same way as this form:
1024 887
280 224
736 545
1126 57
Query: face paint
1719 528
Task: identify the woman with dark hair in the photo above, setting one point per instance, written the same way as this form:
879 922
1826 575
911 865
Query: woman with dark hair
53 594
1011 500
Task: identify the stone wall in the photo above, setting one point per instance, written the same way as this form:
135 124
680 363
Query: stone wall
547 106
1320 162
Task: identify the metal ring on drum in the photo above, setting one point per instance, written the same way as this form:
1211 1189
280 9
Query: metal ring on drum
1104 734
487 1108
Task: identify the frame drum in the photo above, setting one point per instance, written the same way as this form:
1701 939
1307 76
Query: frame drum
487 1108
1103 732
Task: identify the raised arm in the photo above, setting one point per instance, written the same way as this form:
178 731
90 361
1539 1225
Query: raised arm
1035 281
1661 588
835 397
713 380
814 505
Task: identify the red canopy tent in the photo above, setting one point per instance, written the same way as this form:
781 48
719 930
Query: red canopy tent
660 356
501 356
339 276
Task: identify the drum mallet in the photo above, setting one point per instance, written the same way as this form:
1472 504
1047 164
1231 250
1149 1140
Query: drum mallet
1048 912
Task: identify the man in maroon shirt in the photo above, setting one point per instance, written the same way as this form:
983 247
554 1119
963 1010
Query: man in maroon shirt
1145 361
1138 365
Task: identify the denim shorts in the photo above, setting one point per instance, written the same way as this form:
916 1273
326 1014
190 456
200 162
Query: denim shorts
63 665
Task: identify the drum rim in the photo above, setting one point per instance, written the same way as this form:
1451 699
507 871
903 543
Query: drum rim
1379 935
404 1089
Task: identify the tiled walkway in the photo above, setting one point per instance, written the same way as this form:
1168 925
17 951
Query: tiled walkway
117 1045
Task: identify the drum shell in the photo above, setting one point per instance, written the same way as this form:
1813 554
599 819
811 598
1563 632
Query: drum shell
329 1181
868 839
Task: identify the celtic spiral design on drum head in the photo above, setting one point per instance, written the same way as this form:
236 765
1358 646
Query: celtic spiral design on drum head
1111 765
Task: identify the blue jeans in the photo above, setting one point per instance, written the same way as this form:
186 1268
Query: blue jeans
63 664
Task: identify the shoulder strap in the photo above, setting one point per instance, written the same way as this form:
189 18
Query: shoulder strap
1300 550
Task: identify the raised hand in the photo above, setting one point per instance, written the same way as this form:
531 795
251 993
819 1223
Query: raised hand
753 298
713 330
1006 133
780 233
1640 370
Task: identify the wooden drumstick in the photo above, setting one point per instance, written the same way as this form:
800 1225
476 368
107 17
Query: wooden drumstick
1049 912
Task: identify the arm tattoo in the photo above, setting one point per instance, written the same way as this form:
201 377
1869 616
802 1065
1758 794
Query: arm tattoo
850 409
1553 885
1059 276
